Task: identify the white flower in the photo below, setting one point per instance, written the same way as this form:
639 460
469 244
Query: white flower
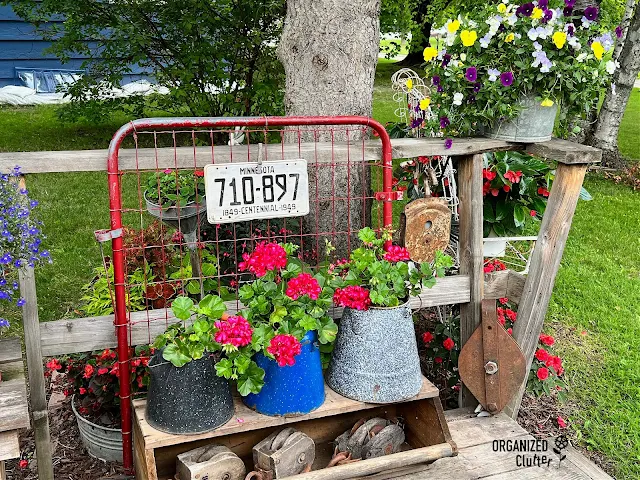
611 67
451 38
494 23
581 57
457 98
494 73
586 23
574 42
484 41
537 46
463 57
532 34
512 19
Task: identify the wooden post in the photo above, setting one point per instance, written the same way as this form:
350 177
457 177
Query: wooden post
38 396
470 251
545 262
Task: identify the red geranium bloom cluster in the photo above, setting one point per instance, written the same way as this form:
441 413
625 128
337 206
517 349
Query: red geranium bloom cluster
494 265
542 373
513 177
284 348
396 253
303 284
547 339
352 296
265 257
555 362
504 314
234 331
427 337
448 344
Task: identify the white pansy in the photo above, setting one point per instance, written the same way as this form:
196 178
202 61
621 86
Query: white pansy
457 98
494 23
451 38
494 73
574 42
512 19
463 57
611 67
537 46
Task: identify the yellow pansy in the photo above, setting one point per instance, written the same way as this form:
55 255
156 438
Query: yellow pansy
424 103
409 84
509 38
468 37
502 8
547 102
453 26
598 50
430 53
537 13
559 38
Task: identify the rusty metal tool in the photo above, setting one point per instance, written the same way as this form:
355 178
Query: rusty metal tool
491 364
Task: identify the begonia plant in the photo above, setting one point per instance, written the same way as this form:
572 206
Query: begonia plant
175 187
494 56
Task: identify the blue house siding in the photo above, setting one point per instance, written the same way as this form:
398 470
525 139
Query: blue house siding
22 47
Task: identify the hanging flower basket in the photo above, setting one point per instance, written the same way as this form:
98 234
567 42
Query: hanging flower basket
291 389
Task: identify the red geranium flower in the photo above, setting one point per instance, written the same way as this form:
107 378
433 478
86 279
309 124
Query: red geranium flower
511 315
510 331
352 296
284 348
427 337
199 173
555 363
547 339
561 422
448 344
23 463
396 254
542 355
54 364
266 257
88 371
234 331
303 284
503 300
542 373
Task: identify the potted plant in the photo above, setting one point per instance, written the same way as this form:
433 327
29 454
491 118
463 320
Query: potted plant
92 382
186 394
376 356
287 308
505 69
175 194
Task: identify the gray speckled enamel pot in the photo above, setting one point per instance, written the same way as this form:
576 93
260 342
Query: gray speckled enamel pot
187 400
375 358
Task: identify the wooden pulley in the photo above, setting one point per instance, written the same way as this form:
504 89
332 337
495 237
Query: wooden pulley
283 454
427 226
491 364
215 462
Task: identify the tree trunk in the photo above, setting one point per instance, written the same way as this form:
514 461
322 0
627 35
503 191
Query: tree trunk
624 25
418 44
605 134
329 50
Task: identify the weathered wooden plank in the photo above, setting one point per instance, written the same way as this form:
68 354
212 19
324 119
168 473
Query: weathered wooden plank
545 262
188 157
506 283
10 350
479 430
334 404
565 152
470 250
97 333
14 412
9 445
585 465
38 397
449 468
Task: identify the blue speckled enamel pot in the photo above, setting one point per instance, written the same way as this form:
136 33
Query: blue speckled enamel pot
290 390
375 358
187 400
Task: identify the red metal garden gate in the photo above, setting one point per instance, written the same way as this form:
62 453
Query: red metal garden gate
346 178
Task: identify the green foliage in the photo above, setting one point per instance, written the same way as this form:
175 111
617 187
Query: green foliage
390 283
98 294
175 187
215 58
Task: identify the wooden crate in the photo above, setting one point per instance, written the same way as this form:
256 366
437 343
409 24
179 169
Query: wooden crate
426 430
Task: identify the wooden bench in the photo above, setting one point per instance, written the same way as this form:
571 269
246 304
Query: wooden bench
14 412
427 436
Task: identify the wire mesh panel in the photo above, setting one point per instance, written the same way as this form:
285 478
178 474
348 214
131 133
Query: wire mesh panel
313 182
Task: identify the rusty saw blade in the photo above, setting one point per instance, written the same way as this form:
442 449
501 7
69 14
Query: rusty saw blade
491 364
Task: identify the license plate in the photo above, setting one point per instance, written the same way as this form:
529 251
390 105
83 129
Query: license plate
237 192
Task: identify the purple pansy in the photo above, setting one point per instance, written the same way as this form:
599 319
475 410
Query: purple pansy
548 15
440 89
471 74
619 31
416 122
446 59
567 11
447 143
570 3
506 78
525 10
591 13
477 86
435 80
444 122
571 30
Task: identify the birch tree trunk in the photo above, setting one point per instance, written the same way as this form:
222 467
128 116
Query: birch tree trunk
329 50
605 133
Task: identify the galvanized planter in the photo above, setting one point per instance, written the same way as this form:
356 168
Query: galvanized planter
101 442
174 213
290 390
187 400
375 358
533 124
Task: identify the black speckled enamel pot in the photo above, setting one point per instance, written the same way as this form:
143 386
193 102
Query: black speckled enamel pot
187 400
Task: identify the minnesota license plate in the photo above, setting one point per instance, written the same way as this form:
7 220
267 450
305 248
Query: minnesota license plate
237 192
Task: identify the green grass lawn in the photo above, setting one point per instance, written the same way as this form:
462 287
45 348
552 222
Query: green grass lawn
596 289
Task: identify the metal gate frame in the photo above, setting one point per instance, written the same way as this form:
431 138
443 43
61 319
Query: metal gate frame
121 322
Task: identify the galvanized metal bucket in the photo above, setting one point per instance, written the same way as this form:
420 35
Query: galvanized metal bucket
375 358
533 124
101 442
187 400
290 390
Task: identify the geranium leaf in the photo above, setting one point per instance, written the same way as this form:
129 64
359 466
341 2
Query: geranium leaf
181 307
